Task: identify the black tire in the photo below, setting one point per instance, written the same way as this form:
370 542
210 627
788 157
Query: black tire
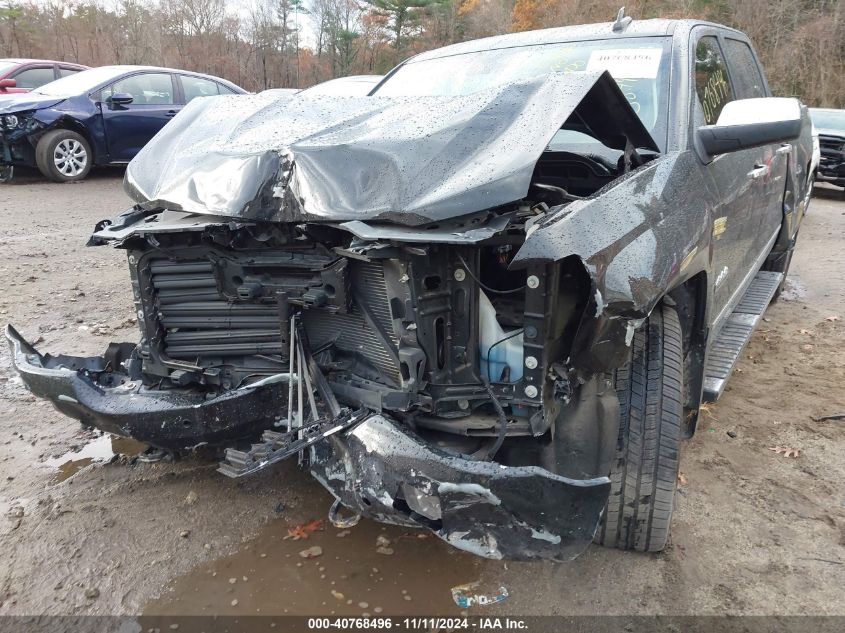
645 471
780 265
48 154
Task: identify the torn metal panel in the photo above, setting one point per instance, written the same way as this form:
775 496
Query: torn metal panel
405 160
470 231
128 225
388 474
632 237
105 392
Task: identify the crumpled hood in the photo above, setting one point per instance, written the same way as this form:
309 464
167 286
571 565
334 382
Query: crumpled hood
406 160
23 101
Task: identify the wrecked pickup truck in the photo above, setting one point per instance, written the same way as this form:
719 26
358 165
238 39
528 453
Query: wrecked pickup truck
486 300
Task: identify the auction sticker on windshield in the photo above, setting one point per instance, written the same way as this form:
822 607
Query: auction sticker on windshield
626 63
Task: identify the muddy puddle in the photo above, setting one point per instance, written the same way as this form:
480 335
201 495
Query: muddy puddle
102 448
268 576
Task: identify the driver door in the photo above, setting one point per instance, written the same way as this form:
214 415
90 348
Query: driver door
129 127
731 173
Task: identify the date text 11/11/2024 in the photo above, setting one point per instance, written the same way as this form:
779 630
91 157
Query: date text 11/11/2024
419 624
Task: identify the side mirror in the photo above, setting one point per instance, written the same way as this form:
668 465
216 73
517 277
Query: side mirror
8 83
751 123
120 98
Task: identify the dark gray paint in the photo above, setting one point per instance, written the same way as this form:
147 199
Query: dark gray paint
638 240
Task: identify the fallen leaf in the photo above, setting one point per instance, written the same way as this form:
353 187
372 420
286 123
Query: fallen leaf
302 531
682 480
832 318
785 451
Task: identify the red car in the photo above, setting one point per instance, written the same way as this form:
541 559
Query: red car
23 75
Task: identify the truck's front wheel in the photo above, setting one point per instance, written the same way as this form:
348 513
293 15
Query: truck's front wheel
645 470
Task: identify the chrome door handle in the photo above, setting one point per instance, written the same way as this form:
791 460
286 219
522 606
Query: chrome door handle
786 148
759 171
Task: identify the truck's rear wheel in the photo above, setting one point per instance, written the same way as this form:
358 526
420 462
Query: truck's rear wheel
645 471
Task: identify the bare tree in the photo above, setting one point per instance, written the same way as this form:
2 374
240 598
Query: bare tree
801 42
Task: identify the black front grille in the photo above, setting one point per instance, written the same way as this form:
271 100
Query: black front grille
202 326
831 144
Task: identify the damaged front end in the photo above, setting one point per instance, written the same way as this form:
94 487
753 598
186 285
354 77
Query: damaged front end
434 372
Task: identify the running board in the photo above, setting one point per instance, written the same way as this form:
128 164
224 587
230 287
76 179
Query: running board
736 332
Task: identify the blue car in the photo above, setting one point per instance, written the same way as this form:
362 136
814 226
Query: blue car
102 116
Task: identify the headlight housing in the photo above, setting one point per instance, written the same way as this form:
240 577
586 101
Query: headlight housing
10 121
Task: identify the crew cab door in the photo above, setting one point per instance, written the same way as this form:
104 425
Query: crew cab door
771 162
130 126
730 173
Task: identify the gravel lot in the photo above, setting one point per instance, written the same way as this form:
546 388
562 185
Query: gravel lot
754 532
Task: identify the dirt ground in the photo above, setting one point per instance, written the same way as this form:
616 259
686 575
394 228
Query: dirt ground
754 532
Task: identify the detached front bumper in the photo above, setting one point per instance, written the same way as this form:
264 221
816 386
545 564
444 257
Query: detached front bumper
100 393
379 468
384 472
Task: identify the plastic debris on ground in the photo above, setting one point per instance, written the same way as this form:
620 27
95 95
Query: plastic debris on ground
471 594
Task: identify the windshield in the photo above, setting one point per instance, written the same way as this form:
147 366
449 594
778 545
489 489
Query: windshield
6 66
640 67
81 82
828 119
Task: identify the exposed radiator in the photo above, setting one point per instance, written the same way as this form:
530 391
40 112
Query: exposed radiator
202 326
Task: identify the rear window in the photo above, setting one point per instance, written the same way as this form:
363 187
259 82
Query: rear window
198 87
66 72
745 74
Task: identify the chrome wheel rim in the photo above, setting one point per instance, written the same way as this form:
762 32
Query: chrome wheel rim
70 157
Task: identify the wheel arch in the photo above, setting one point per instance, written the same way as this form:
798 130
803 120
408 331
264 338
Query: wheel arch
689 299
69 123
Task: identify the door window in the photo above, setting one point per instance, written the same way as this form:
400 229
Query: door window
65 71
197 87
146 89
745 74
711 79
34 77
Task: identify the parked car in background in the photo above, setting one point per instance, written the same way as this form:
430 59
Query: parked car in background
352 86
830 124
101 116
23 75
